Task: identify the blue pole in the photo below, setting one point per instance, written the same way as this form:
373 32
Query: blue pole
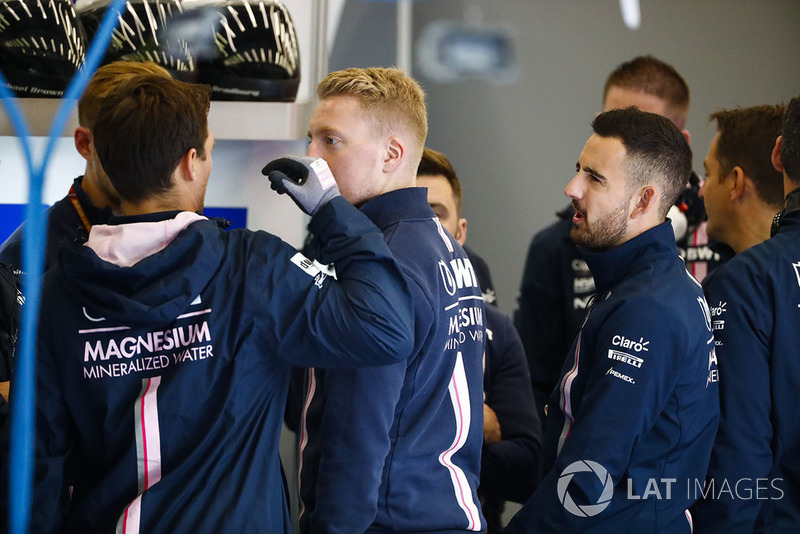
23 411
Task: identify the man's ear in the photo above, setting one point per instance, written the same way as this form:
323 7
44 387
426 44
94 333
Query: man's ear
83 139
186 166
740 183
776 155
645 201
687 135
395 152
461 231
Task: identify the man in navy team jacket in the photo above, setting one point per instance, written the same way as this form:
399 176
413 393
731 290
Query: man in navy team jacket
396 448
754 475
632 420
165 342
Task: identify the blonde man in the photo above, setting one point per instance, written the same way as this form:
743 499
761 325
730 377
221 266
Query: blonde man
396 448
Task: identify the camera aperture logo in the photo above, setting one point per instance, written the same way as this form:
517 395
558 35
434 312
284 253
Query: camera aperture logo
585 510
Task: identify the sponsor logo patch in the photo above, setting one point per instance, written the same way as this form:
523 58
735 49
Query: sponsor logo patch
625 378
624 357
312 267
625 343
719 309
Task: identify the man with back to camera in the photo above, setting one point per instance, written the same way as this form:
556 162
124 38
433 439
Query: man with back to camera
165 342
91 196
742 191
556 285
512 435
753 482
638 400
395 449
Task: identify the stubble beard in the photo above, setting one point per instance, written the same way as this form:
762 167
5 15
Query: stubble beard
602 235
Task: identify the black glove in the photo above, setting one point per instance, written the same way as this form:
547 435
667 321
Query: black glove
308 181
690 203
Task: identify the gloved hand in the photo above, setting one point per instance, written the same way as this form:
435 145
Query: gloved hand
308 181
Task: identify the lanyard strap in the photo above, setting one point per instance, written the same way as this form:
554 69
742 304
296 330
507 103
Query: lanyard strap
73 197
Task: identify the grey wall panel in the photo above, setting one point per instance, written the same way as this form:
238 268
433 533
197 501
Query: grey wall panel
515 147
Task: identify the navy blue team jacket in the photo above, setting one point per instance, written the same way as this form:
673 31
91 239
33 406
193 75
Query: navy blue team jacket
632 420
398 448
754 475
557 285
161 386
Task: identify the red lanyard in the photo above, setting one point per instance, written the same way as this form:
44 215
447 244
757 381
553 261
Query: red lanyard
79 209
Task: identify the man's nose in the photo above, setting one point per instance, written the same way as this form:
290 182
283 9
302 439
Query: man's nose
572 189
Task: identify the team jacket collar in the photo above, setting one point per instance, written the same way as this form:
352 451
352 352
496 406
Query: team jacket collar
790 222
401 204
610 266
789 217
146 217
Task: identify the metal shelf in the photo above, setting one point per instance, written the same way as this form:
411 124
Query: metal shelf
39 113
260 121
254 121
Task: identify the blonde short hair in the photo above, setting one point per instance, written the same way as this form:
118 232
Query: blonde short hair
392 99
